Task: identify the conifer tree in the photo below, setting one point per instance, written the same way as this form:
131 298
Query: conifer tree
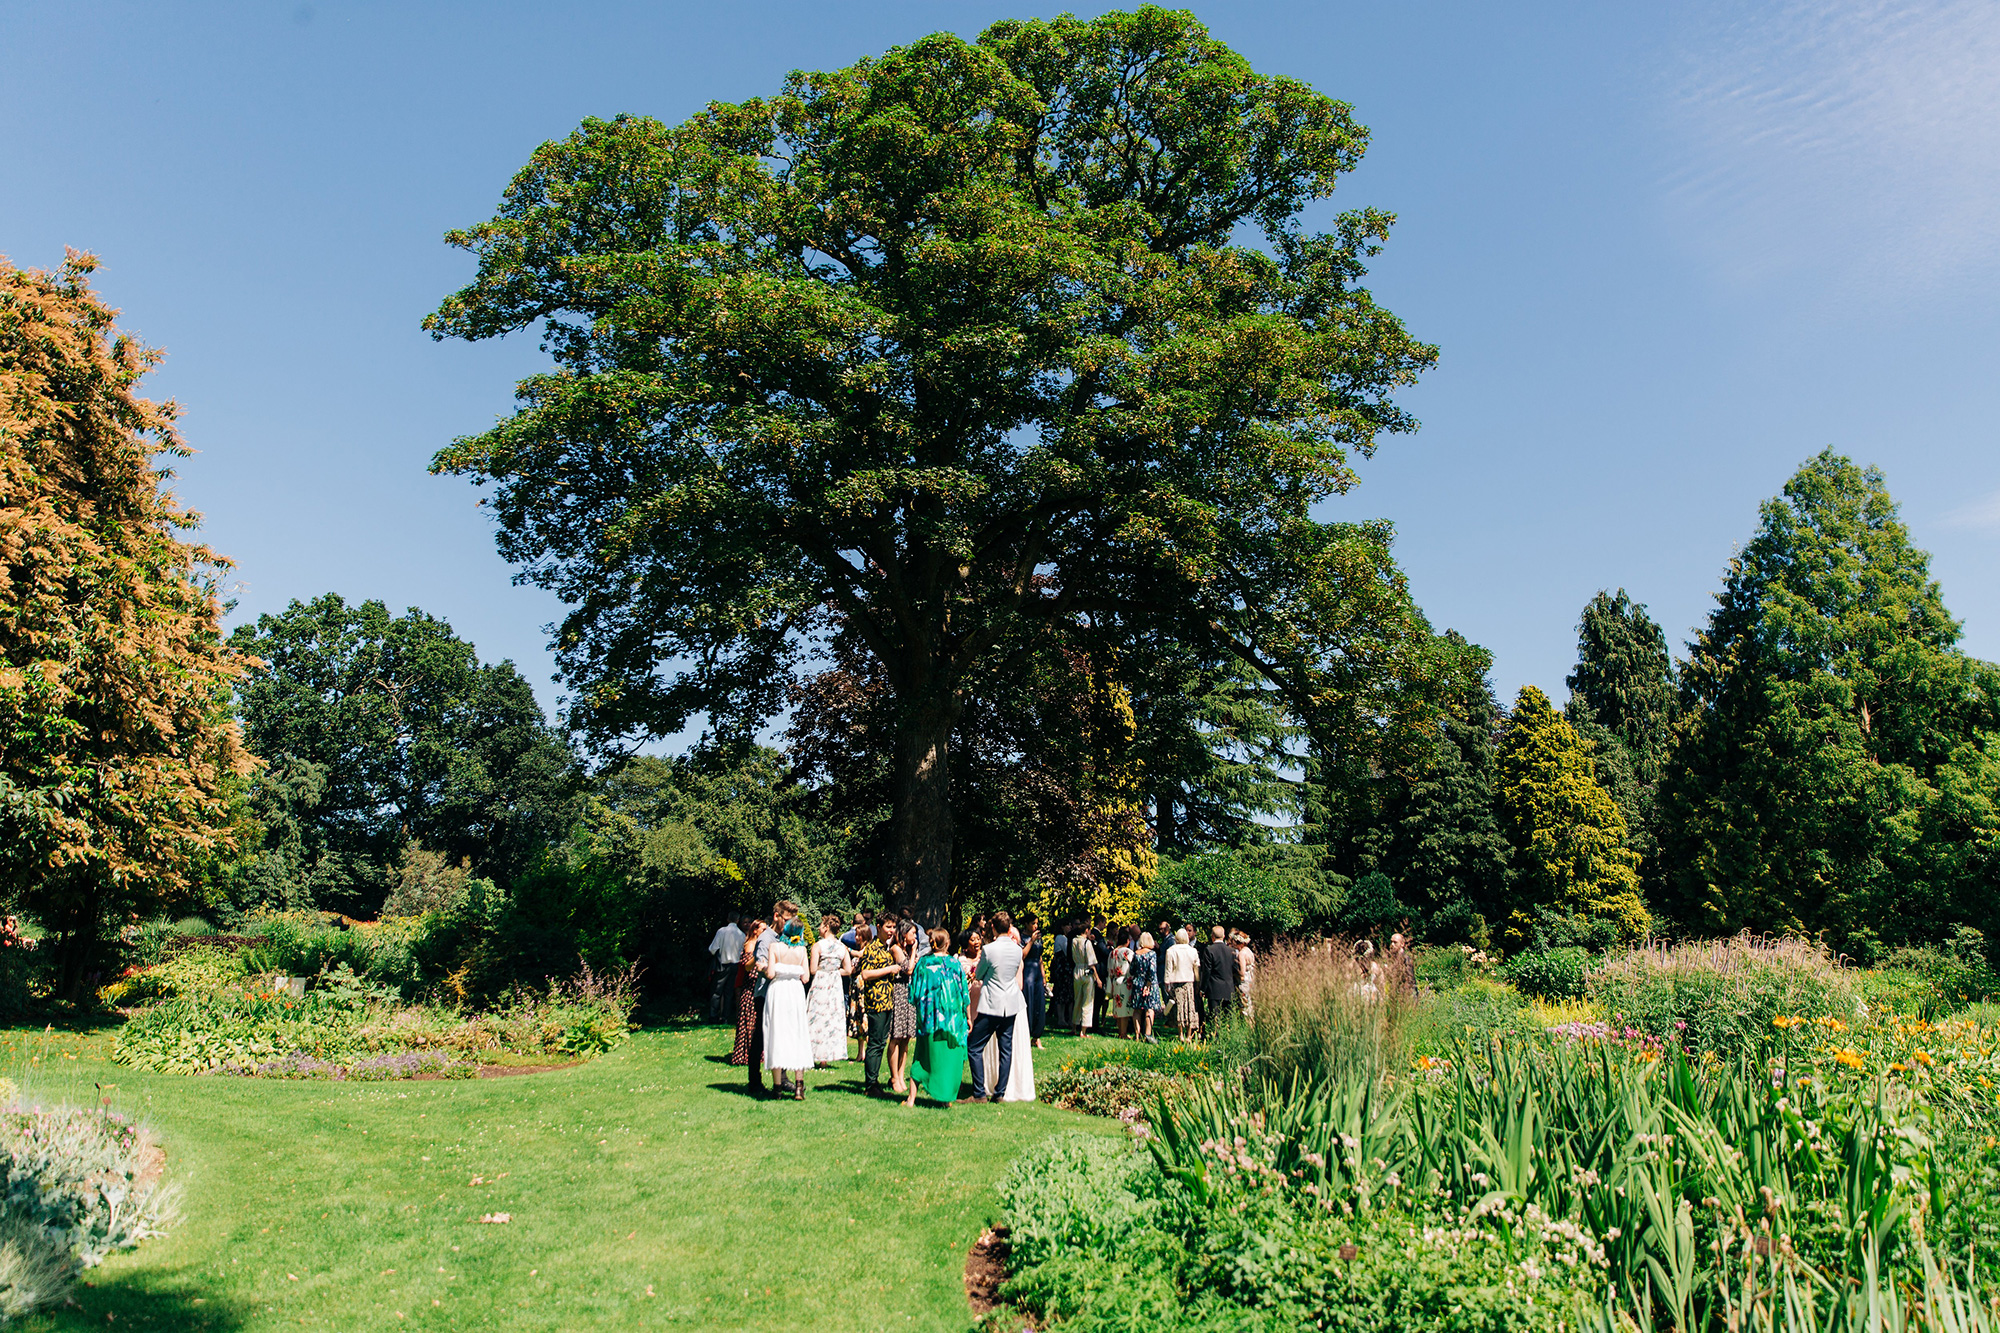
1621 701
1567 833
1838 764
116 747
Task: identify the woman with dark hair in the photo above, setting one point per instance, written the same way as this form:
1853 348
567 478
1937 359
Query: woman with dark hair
825 1002
939 995
903 1015
1121 978
746 998
1034 986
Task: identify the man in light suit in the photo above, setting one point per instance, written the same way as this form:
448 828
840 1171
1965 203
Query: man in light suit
1000 999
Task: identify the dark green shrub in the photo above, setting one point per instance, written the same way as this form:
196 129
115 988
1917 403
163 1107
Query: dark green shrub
1370 907
1960 968
1221 888
1550 974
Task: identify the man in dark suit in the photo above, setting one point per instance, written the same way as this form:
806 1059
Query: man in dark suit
1218 976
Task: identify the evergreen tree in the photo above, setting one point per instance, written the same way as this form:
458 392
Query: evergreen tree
1836 768
1450 858
1622 701
1568 835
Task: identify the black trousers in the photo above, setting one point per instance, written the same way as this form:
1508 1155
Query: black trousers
984 1028
878 1040
722 996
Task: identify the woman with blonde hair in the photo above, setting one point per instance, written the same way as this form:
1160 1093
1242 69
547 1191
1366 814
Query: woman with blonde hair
1183 968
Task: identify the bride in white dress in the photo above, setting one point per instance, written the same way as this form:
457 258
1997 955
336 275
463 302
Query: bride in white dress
787 1036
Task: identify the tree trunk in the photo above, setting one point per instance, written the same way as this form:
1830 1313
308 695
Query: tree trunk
920 877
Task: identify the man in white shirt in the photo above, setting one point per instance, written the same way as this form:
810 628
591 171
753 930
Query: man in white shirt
724 951
1000 999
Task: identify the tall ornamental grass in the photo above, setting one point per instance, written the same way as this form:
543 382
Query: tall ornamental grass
1718 995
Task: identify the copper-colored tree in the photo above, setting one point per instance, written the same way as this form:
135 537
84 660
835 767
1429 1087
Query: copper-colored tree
115 735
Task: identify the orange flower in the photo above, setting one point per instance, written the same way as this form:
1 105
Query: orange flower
1849 1057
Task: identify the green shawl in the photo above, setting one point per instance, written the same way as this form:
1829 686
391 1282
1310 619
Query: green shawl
941 997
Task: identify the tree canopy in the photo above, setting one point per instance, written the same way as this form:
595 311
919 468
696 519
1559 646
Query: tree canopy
1838 764
116 748
383 730
970 345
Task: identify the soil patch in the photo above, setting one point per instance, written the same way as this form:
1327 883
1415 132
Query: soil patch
985 1270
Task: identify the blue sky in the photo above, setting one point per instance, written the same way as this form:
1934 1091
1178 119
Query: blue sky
1668 252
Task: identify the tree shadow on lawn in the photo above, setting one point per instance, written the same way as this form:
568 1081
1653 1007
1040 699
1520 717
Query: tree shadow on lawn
146 1302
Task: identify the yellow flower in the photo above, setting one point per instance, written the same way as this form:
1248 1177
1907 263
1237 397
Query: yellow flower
1849 1057
1782 1021
1830 1023
1923 1058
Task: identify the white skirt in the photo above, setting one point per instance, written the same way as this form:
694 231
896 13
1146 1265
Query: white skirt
787 1039
1021 1075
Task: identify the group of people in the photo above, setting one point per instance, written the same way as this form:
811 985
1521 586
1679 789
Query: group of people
925 1003
910 997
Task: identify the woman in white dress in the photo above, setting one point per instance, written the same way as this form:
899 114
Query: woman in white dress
787 1037
826 1007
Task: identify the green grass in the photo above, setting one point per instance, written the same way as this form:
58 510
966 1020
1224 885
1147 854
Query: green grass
344 1206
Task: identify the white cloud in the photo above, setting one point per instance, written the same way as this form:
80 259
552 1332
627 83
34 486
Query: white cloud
1854 141
1981 514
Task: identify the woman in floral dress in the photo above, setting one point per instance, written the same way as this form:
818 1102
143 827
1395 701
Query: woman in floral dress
1145 982
831 962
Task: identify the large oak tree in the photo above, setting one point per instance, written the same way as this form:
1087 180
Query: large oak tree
973 344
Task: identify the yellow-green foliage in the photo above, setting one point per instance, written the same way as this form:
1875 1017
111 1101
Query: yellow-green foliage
196 971
1568 834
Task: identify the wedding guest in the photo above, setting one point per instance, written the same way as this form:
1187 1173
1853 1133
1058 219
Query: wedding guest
1182 971
1163 940
903 1015
875 971
1218 975
1246 971
1034 985
724 951
1144 983
1402 968
788 1045
1083 985
747 1018
938 991
1059 976
783 914
826 1009
1119 971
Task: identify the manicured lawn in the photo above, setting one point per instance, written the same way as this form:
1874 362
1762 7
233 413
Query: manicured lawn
646 1190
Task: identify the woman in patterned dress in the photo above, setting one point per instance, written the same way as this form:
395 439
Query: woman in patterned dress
1145 980
746 999
903 1020
831 962
1121 979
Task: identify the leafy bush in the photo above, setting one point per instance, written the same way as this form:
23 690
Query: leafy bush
1550 974
189 972
1103 1240
1369 907
1723 994
1221 888
1441 968
1901 991
1474 1014
76 1185
349 1021
1960 969
1109 1090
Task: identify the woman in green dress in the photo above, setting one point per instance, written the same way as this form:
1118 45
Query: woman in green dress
938 992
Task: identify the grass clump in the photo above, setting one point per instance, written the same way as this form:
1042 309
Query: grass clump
1718 995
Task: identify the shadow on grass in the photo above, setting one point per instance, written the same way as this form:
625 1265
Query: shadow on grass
144 1302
